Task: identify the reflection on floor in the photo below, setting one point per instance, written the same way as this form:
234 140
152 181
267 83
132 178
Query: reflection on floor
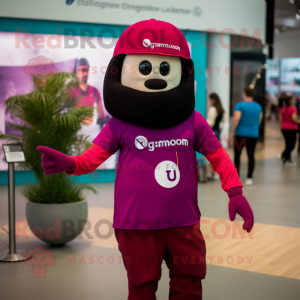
91 268
268 249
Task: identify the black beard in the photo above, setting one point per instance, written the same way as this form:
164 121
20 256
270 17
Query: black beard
149 109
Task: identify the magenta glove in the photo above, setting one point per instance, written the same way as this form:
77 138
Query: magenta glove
56 162
239 204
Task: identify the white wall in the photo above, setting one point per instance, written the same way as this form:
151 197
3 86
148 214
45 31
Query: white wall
218 81
287 44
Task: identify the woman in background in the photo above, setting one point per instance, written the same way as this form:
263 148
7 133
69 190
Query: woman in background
245 130
289 127
216 120
216 114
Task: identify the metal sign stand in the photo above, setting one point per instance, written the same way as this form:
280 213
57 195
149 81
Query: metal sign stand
12 255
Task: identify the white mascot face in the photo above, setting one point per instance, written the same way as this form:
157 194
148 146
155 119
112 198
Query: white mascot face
150 72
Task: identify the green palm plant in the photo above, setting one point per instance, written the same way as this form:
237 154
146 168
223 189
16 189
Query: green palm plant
50 117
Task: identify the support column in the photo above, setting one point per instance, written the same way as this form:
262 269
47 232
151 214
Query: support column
218 76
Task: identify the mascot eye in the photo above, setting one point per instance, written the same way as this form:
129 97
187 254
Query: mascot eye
164 68
145 67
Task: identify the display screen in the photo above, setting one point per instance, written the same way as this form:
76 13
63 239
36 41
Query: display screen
290 75
272 76
23 55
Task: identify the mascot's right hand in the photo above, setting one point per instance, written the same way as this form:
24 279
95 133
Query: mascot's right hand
56 162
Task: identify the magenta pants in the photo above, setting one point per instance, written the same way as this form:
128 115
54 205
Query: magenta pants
181 248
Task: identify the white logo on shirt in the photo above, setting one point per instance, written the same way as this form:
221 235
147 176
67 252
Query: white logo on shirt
167 174
140 142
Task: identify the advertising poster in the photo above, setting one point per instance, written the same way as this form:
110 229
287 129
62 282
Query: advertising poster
23 55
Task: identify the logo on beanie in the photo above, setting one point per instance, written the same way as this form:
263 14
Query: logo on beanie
147 43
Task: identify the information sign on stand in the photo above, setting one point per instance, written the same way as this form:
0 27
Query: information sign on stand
13 154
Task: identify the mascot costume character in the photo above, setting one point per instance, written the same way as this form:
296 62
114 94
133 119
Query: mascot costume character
149 91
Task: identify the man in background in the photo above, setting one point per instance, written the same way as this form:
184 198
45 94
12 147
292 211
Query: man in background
88 95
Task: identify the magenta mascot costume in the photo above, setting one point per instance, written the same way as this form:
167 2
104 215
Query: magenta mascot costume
149 91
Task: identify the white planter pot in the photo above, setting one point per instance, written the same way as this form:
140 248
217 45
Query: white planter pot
57 224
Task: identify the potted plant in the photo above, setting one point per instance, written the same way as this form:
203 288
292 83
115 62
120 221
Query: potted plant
56 211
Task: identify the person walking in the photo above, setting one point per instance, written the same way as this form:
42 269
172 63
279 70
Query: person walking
245 130
289 127
216 120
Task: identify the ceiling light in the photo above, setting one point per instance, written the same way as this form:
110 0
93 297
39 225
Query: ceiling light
298 16
276 30
292 1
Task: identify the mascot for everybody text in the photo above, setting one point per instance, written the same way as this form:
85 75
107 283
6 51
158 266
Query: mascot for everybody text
149 91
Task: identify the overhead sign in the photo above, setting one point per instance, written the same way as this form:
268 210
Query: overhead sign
241 17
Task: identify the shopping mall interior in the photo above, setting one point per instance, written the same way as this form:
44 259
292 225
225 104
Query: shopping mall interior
65 216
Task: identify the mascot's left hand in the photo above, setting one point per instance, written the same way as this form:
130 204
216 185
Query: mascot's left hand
239 204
